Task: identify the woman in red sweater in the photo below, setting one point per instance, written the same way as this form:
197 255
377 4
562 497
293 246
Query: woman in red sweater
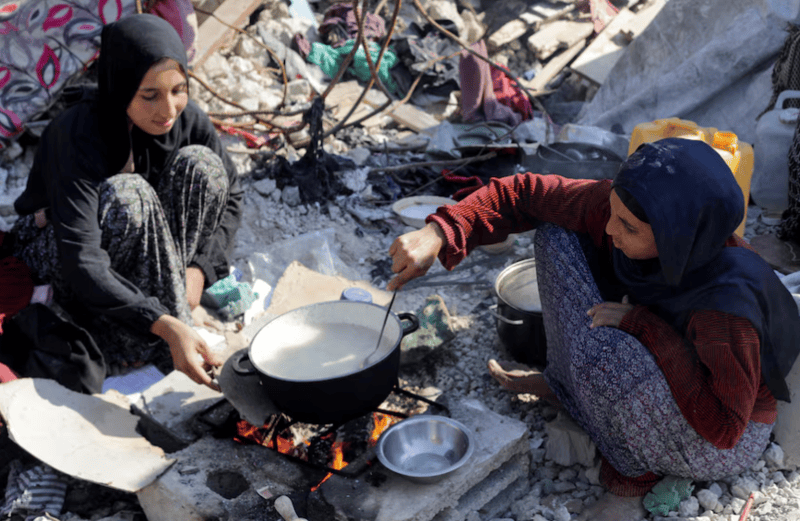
700 331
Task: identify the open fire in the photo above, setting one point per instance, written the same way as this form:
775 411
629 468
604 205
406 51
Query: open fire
286 442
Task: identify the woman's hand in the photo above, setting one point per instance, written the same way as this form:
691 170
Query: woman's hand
609 313
195 280
414 253
190 353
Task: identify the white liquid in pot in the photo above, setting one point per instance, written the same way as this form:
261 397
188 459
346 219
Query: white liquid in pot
310 352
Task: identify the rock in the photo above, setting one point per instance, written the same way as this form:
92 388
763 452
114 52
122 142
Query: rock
265 186
216 66
248 48
269 99
240 65
689 507
563 486
446 9
743 486
473 27
708 499
774 456
562 514
359 155
567 444
593 474
291 196
299 91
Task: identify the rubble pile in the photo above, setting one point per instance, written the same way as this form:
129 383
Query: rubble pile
259 88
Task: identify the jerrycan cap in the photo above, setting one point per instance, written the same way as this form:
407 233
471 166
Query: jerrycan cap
788 116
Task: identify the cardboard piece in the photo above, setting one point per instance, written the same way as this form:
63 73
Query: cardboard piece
89 437
300 286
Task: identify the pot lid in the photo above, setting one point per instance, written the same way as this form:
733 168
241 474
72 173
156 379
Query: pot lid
518 286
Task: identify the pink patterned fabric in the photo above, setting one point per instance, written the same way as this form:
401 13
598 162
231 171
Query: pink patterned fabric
180 14
45 42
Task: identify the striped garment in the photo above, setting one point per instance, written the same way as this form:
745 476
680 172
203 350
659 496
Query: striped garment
713 373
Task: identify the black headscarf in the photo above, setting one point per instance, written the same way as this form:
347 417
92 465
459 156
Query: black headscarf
129 47
694 204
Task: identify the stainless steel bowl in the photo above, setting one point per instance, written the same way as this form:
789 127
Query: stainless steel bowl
425 448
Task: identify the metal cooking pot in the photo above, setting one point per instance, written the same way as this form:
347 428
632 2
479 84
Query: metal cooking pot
308 360
575 160
520 324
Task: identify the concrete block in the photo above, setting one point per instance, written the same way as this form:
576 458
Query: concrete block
492 496
175 400
509 32
220 480
498 440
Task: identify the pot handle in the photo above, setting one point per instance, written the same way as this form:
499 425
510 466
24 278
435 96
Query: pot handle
238 364
501 318
414 322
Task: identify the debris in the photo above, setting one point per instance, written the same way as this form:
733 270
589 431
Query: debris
602 54
216 29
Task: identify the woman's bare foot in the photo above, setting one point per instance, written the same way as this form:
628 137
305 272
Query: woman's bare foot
520 378
615 508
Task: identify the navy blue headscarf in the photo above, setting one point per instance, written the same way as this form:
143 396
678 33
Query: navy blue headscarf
694 204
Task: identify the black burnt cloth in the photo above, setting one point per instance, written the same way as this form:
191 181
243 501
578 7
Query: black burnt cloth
90 142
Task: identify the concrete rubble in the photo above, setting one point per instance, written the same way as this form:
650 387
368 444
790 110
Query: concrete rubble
548 469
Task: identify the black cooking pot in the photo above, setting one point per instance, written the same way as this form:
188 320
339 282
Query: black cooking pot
575 160
520 325
309 360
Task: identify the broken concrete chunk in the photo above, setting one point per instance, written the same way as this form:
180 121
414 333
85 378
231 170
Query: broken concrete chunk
507 33
568 444
561 34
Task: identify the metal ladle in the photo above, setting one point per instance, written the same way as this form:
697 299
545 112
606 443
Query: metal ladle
380 335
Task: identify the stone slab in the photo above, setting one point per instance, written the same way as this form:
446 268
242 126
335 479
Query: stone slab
498 439
222 479
175 400
494 494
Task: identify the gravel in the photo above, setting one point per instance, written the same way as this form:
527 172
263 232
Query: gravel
364 232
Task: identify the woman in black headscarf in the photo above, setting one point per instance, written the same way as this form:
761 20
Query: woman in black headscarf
132 204
701 332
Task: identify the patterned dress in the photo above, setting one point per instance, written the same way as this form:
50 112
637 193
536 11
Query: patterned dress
150 234
610 383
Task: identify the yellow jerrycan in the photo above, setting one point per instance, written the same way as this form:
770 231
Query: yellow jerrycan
737 154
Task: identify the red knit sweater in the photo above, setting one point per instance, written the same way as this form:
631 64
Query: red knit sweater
714 370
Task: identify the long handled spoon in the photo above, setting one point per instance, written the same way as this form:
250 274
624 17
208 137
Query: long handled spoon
380 335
